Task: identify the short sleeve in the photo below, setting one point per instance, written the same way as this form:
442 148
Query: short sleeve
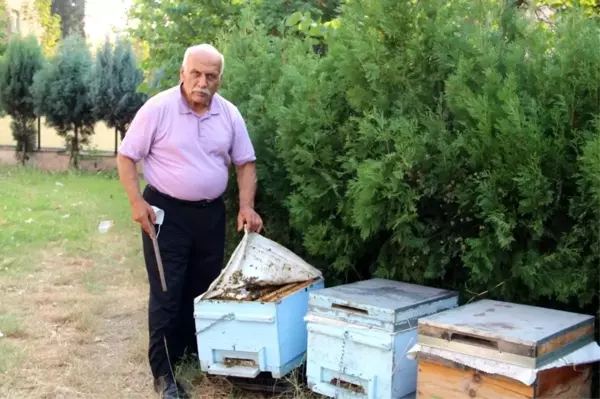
138 139
242 150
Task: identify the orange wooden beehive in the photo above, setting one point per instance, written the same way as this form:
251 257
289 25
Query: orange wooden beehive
511 337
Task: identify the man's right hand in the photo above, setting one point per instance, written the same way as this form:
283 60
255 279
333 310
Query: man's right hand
143 213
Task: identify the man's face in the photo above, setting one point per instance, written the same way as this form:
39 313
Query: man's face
200 77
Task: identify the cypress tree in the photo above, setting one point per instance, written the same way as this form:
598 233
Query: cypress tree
127 78
22 60
114 82
61 94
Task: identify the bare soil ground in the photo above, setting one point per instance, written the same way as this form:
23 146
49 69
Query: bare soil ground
73 300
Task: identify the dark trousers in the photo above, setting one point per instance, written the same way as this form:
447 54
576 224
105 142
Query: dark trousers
192 243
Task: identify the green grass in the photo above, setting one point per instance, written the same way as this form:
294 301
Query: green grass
55 211
11 328
12 355
66 285
11 325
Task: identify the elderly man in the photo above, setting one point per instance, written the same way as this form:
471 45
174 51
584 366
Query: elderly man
187 136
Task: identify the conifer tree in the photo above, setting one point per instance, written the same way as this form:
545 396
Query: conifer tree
114 82
256 65
22 60
61 94
100 81
127 78
451 146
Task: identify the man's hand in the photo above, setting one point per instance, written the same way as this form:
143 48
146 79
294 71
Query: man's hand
247 216
143 213
246 177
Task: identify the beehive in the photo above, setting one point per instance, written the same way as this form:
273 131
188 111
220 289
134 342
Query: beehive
502 342
359 334
244 338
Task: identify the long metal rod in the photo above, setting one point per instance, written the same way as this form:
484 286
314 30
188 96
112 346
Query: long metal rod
161 271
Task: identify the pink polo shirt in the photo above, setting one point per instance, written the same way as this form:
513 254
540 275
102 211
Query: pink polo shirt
185 155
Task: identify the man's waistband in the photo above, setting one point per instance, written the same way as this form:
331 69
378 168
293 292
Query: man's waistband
201 203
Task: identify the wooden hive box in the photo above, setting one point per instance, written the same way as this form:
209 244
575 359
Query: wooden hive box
358 336
243 338
505 345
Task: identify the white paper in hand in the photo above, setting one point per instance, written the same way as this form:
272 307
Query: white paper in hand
259 261
160 214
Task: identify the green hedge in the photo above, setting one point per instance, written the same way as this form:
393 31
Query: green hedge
449 145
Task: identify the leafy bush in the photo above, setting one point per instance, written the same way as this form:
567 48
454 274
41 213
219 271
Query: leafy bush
168 29
454 146
251 79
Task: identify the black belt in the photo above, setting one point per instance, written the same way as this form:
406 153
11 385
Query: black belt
203 202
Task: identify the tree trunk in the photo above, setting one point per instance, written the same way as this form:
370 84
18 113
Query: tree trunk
75 149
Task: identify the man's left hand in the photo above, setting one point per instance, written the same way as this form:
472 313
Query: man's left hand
247 216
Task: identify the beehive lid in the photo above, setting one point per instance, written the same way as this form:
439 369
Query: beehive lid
386 304
518 334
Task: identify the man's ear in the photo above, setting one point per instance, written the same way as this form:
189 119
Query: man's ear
181 70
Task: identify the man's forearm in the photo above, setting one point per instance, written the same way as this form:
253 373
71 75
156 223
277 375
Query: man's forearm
129 178
246 177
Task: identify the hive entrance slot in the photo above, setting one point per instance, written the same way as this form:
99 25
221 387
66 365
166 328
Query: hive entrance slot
475 341
349 308
348 385
233 362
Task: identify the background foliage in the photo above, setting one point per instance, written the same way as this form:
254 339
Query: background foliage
72 16
40 12
113 84
454 144
22 60
61 93
448 144
169 28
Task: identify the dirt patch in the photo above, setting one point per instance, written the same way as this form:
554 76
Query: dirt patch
77 344
79 329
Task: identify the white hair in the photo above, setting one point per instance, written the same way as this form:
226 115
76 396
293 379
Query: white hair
204 46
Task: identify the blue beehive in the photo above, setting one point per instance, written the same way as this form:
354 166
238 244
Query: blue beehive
245 338
359 335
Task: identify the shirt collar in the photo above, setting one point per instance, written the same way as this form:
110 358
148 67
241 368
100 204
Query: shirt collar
184 108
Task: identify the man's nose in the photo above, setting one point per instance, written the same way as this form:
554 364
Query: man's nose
202 81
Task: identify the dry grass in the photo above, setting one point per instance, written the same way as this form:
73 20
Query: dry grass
204 386
73 301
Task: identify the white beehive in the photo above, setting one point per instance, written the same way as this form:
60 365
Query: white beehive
359 335
246 338
243 332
